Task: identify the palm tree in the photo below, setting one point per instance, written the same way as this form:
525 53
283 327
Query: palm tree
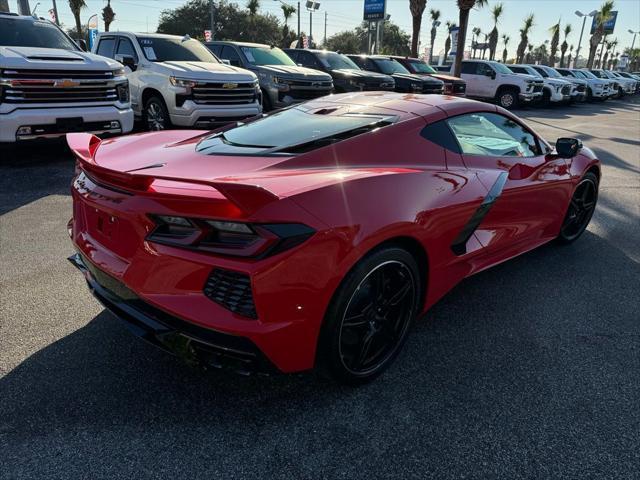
447 43
524 38
563 47
435 15
484 44
505 40
610 47
108 15
76 6
253 6
496 12
417 8
475 32
603 15
569 57
529 53
464 6
555 40
287 11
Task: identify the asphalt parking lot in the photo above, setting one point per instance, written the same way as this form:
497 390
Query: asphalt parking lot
528 370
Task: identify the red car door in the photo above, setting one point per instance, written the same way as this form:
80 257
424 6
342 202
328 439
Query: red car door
526 204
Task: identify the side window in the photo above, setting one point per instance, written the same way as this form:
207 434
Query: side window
125 47
370 65
308 60
469 68
440 134
105 47
293 55
517 69
494 135
231 54
484 69
215 49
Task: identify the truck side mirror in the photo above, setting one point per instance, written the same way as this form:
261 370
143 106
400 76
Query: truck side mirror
127 61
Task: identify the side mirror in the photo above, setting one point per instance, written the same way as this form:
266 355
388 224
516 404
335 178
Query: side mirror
83 45
491 74
225 61
568 147
127 61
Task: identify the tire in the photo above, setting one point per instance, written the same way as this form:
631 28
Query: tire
508 98
372 311
589 94
580 210
155 115
546 98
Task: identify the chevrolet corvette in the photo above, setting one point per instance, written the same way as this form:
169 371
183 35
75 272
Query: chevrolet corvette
313 237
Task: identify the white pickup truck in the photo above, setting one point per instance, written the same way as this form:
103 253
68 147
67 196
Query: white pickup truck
489 80
177 81
50 87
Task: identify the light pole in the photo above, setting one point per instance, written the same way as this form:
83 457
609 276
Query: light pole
311 7
584 20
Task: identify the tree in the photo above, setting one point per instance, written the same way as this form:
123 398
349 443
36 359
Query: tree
569 57
464 6
475 33
435 16
555 40
108 15
287 11
4 5
395 40
563 47
529 53
496 12
505 41
524 38
485 44
76 6
540 54
232 23
447 43
417 8
253 6
601 18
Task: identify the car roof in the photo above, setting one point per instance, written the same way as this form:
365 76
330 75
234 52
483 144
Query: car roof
240 44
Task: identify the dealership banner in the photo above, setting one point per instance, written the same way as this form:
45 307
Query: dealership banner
374 9
609 25
453 31
92 29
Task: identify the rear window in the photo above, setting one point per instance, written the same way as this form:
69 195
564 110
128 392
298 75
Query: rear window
290 131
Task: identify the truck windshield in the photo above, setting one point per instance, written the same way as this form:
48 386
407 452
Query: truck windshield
552 72
336 61
421 67
266 56
175 49
389 66
500 68
30 32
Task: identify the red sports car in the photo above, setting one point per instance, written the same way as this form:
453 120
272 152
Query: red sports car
313 237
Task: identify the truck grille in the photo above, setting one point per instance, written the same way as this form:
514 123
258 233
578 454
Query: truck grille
58 86
306 90
229 93
581 88
566 90
537 87
377 86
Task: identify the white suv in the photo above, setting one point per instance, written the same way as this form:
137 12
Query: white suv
489 80
49 86
178 81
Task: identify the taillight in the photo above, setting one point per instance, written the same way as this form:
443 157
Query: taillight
228 238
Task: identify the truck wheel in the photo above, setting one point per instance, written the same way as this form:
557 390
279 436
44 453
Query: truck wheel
589 95
546 98
508 99
156 116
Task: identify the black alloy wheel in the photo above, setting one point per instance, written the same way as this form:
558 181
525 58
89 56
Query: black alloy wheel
370 316
581 208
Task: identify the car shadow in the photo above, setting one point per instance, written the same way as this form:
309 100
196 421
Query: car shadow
513 357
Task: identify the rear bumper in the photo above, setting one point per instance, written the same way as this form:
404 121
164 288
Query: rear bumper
192 343
43 121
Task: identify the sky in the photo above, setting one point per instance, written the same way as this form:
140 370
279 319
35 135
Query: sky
142 16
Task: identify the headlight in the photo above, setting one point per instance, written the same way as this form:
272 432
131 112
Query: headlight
356 83
558 88
119 72
228 238
181 82
281 84
123 92
416 87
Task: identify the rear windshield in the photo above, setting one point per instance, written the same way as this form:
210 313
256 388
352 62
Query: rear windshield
288 129
163 49
33 33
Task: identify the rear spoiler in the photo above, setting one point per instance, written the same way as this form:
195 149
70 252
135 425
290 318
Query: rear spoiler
247 198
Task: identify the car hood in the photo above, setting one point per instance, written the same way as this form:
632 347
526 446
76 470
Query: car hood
409 77
53 58
556 81
352 73
207 71
445 78
294 71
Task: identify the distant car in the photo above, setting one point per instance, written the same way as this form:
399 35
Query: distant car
315 236
595 89
452 85
282 81
631 84
177 81
618 88
347 76
554 90
405 81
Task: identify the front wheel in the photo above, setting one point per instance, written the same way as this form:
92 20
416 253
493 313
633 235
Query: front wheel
508 99
156 116
369 317
581 208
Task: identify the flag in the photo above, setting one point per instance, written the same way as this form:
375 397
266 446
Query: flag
207 35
